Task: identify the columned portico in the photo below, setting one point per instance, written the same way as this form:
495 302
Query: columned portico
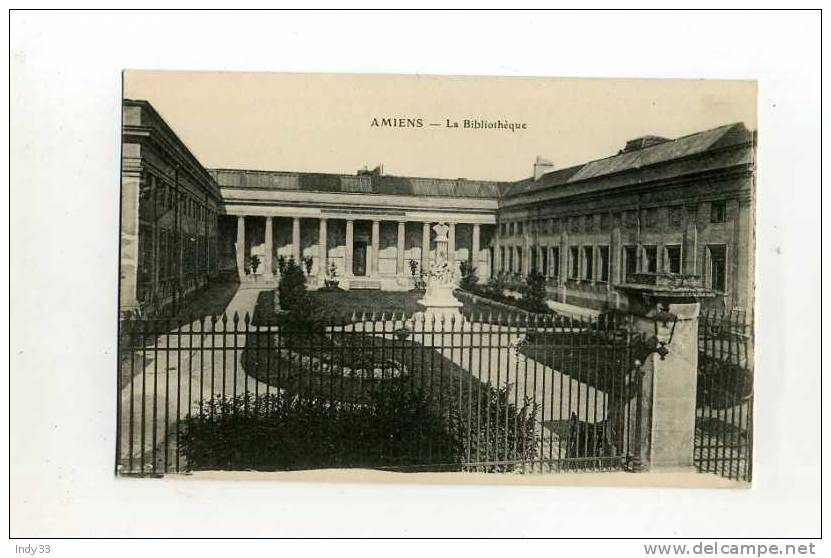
364 253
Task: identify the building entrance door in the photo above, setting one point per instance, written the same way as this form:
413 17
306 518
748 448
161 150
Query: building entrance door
359 259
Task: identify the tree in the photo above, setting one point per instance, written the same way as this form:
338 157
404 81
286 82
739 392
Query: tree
292 288
534 294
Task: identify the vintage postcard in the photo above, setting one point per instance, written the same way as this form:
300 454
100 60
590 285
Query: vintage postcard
495 277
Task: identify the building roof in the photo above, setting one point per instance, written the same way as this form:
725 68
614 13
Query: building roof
679 148
368 183
641 153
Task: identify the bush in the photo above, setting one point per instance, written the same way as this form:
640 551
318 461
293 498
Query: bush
495 287
468 281
399 426
286 432
292 287
534 294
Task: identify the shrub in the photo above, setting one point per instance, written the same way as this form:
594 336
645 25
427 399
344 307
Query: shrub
308 263
281 264
534 294
282 431
468 281
496 287
292 287
399 426
254 263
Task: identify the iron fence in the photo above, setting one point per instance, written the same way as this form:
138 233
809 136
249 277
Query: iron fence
494 393
724 401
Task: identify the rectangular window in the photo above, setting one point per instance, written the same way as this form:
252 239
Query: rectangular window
630 261
588 263
603 263
588 223
163 255
533 256
502 258
651 218
555 261
717 264
145 267
511 228
718 212
606 222
574 263
510 261
519 227
675 214
672 258
519 260
650 259
544 267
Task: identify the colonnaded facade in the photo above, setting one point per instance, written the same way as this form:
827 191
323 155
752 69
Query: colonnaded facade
683 205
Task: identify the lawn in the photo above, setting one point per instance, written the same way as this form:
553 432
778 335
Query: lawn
347 302
351 371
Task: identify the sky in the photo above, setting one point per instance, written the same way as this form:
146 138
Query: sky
322 122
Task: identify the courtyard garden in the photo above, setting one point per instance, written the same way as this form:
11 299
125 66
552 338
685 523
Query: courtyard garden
334 393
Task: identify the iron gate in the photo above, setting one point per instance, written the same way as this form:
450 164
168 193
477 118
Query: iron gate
724 401
492 393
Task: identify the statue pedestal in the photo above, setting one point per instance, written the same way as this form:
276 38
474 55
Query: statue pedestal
441 308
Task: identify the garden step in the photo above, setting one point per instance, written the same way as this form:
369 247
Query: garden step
365 285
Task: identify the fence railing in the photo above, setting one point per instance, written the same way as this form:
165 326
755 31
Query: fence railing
488 393
724 409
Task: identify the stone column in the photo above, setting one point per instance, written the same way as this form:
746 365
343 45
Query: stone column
497 248
350 243
323 256
376 225
528 259
400 268
425 247
451 247
668 383
241 246
269 248
295 241
564 270
474 257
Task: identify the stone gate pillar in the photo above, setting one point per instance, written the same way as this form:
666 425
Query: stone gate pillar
665 309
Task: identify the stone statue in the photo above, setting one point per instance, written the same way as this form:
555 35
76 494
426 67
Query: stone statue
439 300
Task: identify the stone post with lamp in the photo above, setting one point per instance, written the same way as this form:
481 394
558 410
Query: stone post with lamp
665 309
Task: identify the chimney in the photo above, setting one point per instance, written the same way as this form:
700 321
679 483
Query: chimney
542 166
377 171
